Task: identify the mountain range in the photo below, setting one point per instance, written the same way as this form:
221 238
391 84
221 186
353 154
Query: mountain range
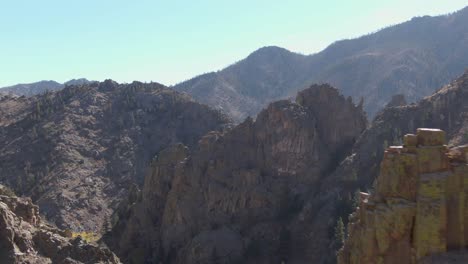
261 162
30 89
413 58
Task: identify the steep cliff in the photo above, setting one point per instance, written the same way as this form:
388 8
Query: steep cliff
447 109
418 207
219 202
25 238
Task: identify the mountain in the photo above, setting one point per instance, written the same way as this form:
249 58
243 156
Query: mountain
417 209
413 58
246 87
226 199
30 89
79 150
274 189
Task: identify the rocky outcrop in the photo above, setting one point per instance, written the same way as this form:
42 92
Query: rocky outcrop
397 100
75 152
446 109
25 238
220 202
418 206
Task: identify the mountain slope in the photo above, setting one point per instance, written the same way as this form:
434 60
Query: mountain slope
30 89
413 58
77 151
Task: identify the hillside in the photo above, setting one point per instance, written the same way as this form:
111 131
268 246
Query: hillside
413 58
30 89
78 151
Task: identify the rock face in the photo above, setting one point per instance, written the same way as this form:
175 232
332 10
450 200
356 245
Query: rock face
77 151
446 109
25 238
413 58
418 207
219 202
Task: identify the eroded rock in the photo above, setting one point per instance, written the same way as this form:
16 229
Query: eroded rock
418 208
24 238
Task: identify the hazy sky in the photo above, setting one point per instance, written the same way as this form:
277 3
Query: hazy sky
170 41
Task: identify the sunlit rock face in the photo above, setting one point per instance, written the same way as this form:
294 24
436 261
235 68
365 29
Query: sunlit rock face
418 208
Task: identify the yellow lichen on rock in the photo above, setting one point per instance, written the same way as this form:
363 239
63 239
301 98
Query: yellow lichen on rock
418 208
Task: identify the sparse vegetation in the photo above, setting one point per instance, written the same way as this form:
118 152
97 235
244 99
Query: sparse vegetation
87 236
339 235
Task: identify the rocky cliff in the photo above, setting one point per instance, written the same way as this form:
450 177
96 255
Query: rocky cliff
26 238
77 151
220 201
446 109
418 207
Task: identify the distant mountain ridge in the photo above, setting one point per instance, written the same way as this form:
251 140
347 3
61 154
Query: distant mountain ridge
30 89
413 58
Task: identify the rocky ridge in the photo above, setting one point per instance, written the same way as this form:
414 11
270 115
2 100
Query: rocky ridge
26 238
418 206
77 151
220 201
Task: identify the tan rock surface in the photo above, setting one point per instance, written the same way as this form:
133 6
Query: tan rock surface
418 208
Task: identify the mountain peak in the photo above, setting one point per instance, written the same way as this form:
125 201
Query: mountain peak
268 51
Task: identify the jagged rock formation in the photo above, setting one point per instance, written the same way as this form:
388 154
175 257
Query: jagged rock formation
220 202
397 100
413 58
25 238
418 207
77 151
446 109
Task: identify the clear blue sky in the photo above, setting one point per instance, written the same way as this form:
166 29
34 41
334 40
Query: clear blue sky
170 41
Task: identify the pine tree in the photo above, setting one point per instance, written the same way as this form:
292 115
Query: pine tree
339 236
